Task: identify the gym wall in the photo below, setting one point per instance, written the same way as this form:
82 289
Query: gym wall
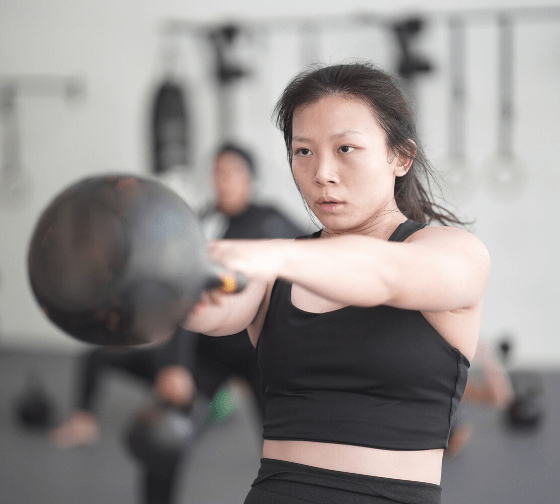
115 49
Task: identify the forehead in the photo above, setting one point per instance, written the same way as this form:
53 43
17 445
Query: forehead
230 161
336 113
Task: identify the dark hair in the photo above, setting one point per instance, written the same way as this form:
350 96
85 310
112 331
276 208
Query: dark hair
240 151
382 94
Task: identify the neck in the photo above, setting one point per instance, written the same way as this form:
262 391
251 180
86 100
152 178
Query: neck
379 226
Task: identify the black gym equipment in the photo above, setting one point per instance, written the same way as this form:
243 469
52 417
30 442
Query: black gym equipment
120 260
170 140
527 409
526 412
227 72
160 437
34 408
410 64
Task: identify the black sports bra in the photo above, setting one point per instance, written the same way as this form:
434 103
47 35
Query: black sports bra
379 377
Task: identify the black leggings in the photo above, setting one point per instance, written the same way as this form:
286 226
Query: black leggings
211 360
142 363
280 482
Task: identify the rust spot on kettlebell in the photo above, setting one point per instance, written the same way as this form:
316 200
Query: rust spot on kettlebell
128 185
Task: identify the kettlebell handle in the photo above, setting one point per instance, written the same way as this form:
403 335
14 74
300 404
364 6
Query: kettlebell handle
220 278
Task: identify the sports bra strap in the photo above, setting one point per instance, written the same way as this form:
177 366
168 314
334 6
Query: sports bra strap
400 234
405 230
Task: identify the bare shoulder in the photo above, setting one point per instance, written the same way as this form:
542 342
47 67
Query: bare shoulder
464 263
448 233
452 239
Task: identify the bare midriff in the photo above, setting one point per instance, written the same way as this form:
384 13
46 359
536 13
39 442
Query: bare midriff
418 465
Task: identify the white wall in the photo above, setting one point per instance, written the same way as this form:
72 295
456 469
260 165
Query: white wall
115 48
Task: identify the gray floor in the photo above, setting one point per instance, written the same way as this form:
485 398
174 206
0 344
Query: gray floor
498 466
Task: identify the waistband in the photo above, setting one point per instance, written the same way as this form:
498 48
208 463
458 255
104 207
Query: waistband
335 486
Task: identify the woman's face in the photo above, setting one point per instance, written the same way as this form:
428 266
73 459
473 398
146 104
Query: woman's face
342 165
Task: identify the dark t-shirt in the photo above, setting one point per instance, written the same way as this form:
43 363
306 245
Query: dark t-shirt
219 358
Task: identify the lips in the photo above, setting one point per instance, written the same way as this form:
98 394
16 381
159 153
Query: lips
329 204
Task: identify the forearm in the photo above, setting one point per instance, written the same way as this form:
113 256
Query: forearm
206 318
218 314
352 270
439 274
444 270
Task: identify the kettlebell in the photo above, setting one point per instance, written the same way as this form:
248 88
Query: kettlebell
34 407
120 260
527 409
159 435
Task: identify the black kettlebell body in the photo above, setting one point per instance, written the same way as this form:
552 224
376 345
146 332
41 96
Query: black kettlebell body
118 260
528 407
34 408
526 411
159 436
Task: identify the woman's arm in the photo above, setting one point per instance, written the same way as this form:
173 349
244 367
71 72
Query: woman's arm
219 314
436 269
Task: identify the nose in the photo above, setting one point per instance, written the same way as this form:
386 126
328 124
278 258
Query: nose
326 171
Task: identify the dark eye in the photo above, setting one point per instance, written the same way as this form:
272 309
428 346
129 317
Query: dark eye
346 149
303 152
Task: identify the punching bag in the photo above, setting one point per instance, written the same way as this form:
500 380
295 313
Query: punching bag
169 129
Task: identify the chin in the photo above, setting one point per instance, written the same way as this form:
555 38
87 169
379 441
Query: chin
334 227
231 208
342 227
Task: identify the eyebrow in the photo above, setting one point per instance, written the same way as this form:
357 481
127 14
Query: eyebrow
336 136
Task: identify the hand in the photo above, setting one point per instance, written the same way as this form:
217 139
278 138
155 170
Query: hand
256 259
217 313
208 298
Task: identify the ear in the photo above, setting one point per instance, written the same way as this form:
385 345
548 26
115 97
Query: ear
404 161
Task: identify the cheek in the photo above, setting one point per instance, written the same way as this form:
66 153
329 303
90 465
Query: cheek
303 182
222 187
372 174
236 188
299 175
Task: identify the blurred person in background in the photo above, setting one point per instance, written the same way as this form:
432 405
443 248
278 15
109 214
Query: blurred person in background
234 215
189 362
488 386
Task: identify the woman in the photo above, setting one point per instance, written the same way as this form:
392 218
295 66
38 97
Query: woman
364 333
